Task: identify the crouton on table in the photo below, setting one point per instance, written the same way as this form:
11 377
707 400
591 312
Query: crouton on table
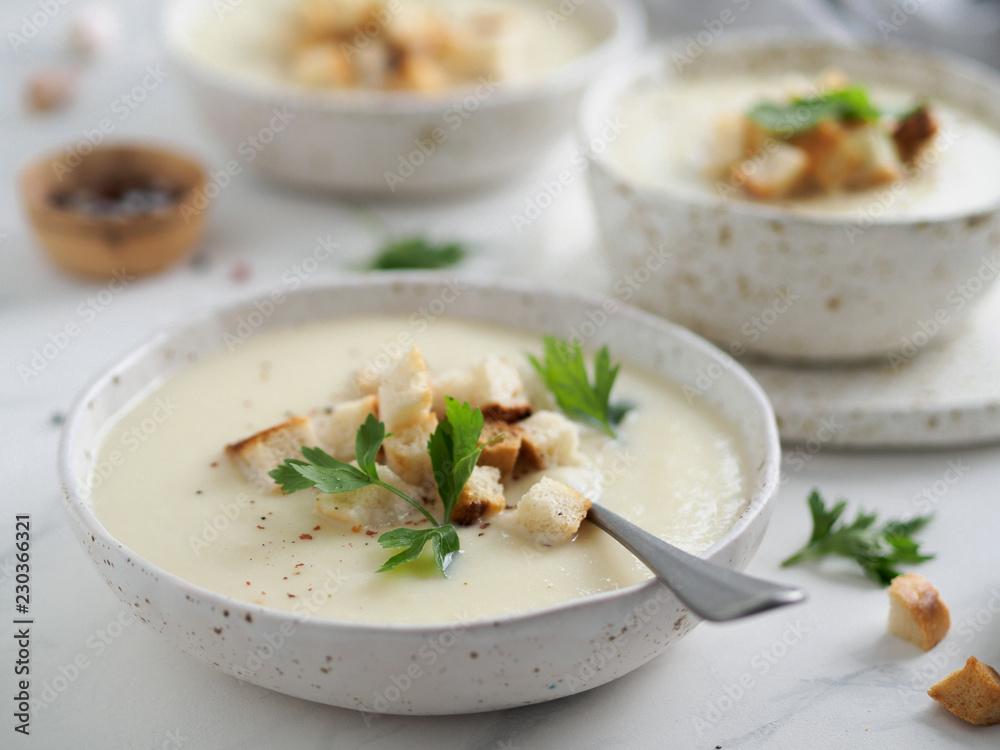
971 693
916 612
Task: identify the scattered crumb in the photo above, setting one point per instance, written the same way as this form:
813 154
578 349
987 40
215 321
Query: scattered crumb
240 272
50 89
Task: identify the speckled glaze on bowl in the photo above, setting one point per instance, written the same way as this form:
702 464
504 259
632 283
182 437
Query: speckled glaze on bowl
456 667
348 142
782 282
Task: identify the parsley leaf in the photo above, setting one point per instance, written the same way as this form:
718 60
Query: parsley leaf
799 115
332 476
444 541
877 550
418 253
454 450
288 478
565 374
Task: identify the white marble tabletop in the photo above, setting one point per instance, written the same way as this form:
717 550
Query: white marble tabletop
822 675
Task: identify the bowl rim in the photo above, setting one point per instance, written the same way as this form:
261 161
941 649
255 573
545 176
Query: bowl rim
81 513
600 99
629 33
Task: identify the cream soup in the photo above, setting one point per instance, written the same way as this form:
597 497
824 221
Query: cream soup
247 41
678 469
669 142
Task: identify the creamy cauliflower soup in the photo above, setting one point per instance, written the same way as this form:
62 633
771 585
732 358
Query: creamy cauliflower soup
677 468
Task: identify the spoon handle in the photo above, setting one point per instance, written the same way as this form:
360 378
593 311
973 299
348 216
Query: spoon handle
710 591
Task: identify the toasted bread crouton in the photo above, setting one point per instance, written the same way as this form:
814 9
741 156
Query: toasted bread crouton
585 479
971 693
481 496
914 132
916 612
371 506
774 173
404 394
492 384
550 439
726 146
875 153
503 453
830 164
490 43
551 511
455 383
322 65
755 138
830 79
364 382
338 430
406 454
258 454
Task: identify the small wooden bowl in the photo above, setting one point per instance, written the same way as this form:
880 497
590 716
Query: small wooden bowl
98 245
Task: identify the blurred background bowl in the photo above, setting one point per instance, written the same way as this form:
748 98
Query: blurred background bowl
350 141
849 295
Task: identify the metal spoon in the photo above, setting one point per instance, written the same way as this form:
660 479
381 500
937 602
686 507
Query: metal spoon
710 591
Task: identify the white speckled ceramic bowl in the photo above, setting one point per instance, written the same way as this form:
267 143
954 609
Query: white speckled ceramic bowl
477 666
785 282
395 143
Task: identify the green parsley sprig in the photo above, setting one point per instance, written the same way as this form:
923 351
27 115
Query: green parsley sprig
565 375
454 450
877 549
417 253
801 114
332 476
